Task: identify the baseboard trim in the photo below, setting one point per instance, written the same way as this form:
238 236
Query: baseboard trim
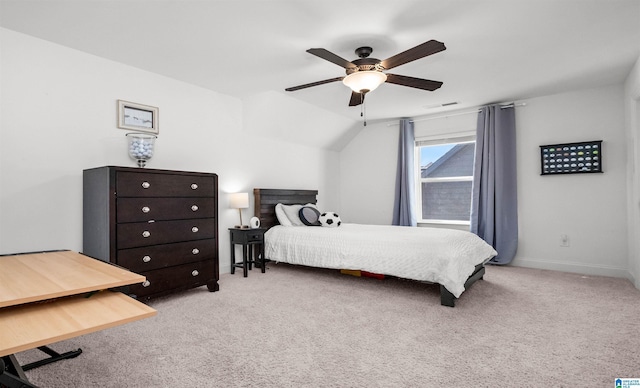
581 268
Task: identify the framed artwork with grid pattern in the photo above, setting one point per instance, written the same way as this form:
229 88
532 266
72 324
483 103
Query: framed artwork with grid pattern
571 158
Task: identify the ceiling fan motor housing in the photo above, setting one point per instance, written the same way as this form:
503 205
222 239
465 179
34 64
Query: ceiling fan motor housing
365 64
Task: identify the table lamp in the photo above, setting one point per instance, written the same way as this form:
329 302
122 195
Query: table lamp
239 201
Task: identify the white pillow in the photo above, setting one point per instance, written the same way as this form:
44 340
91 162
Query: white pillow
291 213
282 218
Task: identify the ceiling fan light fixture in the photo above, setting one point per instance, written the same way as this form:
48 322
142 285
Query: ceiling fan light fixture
364 81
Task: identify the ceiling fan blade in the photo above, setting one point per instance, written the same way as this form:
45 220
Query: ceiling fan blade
331 57
412 82
326 81
420 51
356 99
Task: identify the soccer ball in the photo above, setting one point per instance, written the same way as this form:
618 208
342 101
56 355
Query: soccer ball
330 219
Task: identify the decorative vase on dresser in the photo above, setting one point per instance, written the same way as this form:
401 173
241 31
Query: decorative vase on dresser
159 223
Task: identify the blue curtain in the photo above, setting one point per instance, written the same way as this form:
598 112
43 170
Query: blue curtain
494 205
403 212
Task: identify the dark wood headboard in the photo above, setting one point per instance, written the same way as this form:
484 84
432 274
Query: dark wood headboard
265 201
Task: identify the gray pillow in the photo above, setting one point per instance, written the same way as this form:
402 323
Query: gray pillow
309 216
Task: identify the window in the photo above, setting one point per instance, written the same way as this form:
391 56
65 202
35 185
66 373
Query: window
445 178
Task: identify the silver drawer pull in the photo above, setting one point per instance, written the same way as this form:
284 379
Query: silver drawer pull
194 208
146 185
195 251
146 259
194 229
195 272
146 283
146 209
194 186
146 234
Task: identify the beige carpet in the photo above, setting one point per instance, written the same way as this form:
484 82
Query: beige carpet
303 327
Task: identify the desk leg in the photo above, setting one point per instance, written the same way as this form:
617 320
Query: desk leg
53 357
11 373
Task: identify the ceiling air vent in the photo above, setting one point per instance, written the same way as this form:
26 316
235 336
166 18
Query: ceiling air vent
446 104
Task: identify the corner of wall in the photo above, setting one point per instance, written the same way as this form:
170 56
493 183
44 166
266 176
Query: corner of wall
632 123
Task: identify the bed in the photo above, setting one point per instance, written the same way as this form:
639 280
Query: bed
453 259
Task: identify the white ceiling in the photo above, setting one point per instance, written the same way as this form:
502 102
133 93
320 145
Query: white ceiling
497 51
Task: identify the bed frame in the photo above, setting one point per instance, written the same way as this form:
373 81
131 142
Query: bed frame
265 201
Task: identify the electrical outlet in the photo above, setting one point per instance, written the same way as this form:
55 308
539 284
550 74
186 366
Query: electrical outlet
564 240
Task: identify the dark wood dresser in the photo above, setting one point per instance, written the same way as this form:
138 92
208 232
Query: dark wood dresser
159 223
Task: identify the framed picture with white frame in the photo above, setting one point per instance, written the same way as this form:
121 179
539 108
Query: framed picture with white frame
137 117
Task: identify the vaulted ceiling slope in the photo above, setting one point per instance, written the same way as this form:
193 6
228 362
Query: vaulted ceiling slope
497 51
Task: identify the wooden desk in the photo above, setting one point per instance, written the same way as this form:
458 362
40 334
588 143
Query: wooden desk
52 296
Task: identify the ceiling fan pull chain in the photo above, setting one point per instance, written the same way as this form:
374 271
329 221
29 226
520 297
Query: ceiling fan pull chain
363 112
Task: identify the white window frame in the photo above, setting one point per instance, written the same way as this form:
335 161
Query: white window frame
450 138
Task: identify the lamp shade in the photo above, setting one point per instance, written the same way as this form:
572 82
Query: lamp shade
239 200
364 80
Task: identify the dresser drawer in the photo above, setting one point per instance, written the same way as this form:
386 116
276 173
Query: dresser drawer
243 236
178 277
139 234
159 256
145 209
147 184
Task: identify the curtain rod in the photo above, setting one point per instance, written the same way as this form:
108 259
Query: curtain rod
512 105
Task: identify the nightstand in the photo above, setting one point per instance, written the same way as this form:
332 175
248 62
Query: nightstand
251 254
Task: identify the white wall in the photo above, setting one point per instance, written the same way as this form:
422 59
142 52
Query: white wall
632 124
589 208
58 117
281 116
367 175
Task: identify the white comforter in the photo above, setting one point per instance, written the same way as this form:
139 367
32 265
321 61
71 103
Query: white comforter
443 256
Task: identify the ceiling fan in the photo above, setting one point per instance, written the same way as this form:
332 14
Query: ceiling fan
365 74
